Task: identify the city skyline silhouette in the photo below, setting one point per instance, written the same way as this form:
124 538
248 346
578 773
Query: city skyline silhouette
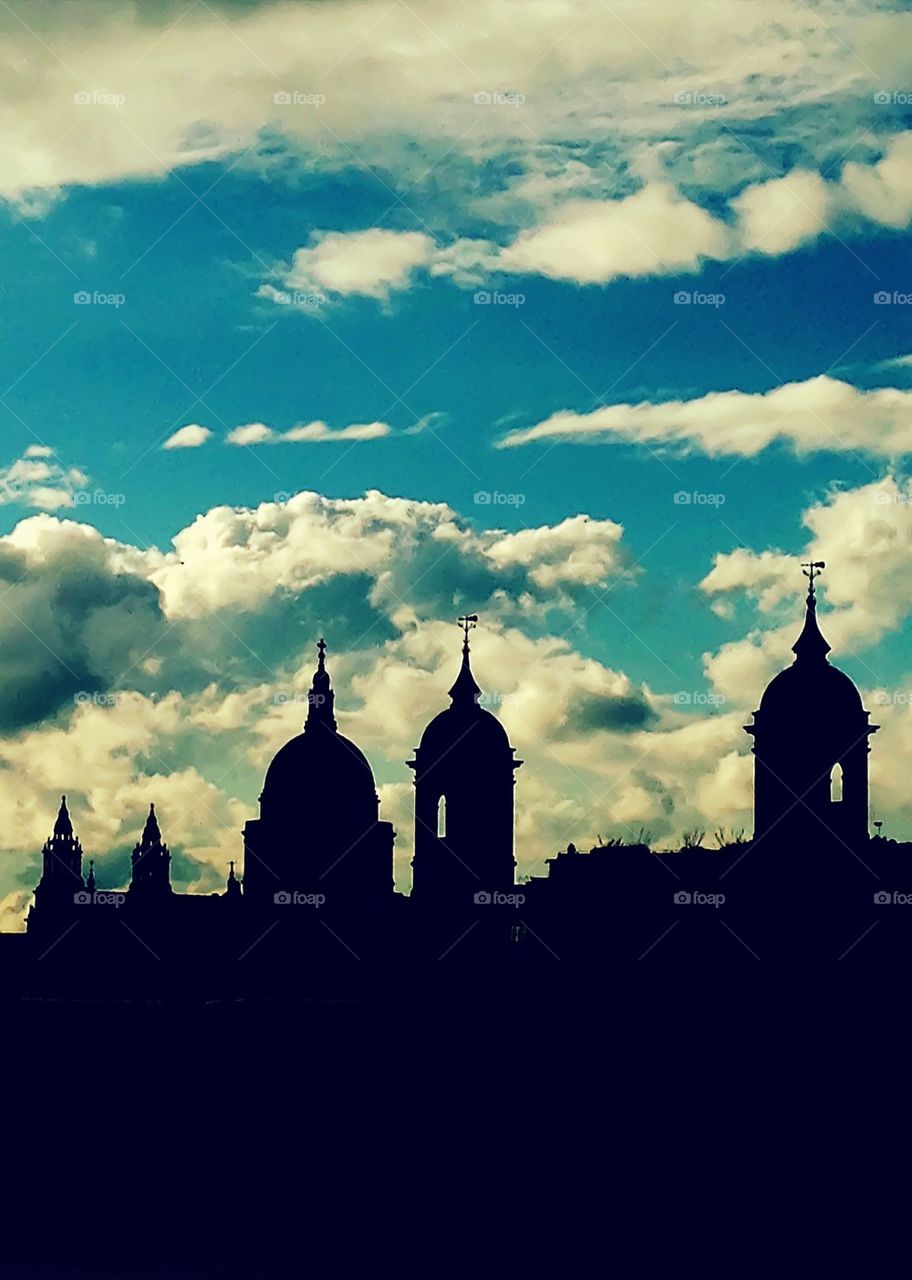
314 889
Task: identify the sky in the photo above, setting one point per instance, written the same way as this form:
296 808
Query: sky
344 318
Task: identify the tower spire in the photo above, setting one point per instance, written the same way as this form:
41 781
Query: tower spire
811 644
465 691
321 698
63 826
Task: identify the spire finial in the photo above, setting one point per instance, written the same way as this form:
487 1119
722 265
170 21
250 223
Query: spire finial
321 698
812 570
465 692
469 621
63 826
811 643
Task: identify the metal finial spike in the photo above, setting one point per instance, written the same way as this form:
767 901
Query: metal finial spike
468 621
811 570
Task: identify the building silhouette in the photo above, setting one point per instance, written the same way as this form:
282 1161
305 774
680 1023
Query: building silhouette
319 830
811 746
803 884
464 785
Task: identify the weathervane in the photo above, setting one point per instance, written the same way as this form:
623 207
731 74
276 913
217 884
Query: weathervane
468 621
812 570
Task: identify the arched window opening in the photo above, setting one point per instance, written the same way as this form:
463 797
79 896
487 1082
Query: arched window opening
441 817
836 784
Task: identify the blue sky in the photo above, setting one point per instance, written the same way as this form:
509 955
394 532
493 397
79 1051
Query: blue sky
759 162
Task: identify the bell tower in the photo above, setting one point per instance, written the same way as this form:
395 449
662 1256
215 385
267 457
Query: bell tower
464 783
811 746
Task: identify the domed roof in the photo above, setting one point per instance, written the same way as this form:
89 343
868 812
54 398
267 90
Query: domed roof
465 726
823 687
316 759
319 768
475 727
811 684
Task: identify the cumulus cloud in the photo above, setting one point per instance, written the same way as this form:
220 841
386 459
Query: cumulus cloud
777 216
71 621
36 480
124 685
654 230
593 242
189 437
819 414
384 577
369 263
408 553
865 536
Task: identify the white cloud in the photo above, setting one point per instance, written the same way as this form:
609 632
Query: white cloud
777 216
652 231
593 242
141 113
369 263
306 433
409 550
820 414
864 535
189 437
34 481
882 192
604 754
251 433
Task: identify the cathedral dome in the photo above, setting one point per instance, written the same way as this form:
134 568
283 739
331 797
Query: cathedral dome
317 762
319 774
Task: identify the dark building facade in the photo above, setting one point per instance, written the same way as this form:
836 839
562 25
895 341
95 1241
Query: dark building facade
464 786
319 830
319 841
811 746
